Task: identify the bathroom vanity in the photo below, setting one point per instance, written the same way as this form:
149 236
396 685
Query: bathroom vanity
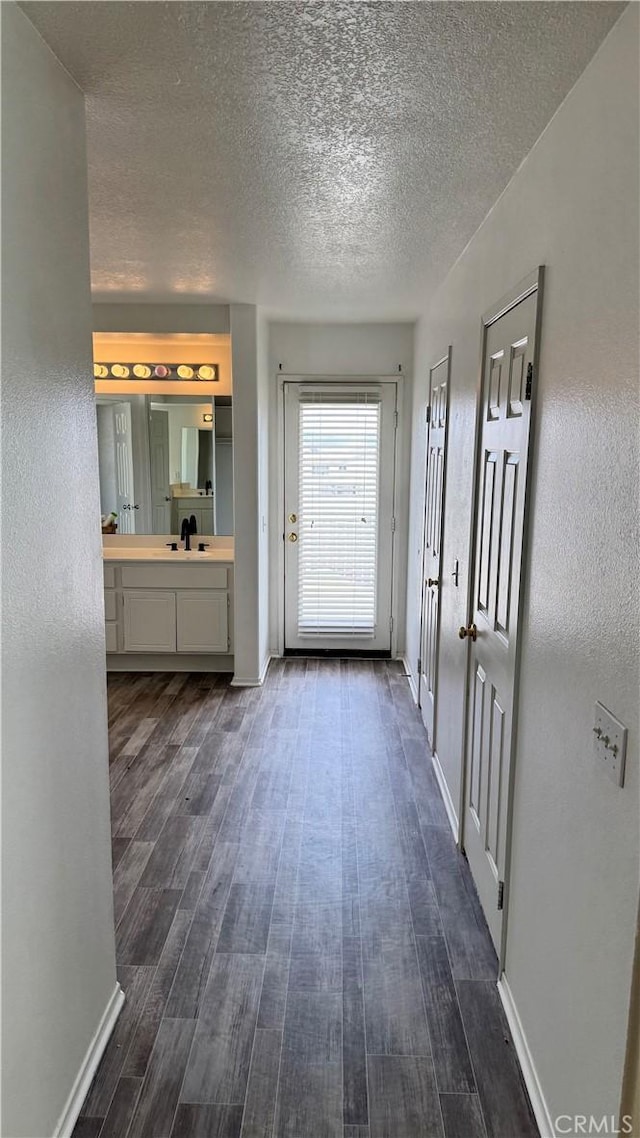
168 610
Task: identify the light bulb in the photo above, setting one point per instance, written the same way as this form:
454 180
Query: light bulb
141 371
100 371
206 372
161 371
185 372
120 371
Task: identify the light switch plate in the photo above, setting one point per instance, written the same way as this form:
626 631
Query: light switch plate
610 741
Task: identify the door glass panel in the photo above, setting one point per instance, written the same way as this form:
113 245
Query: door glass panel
339 463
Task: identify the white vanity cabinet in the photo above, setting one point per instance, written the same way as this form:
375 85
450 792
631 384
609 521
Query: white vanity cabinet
162 608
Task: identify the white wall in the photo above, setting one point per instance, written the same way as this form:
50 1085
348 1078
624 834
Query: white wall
341 350
265 440
246 480
58 961
161 318
572 206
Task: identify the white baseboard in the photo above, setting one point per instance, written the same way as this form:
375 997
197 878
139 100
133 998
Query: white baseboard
410 677
446 796
89 1065
255 681
529 1073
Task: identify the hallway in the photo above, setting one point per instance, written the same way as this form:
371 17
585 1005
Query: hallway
300 944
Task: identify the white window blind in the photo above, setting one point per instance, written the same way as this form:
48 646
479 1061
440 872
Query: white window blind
339 462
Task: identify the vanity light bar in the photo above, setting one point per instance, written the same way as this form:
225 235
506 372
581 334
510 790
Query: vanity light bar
207 372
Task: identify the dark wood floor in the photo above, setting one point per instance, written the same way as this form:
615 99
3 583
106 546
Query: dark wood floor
301 946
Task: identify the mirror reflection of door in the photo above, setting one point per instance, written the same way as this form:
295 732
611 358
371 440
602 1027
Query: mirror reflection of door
115 448
159 469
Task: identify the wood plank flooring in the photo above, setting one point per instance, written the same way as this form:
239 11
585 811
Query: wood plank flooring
300 944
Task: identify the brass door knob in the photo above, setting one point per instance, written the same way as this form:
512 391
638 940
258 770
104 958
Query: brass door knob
293 518
432 581
471 632
292 537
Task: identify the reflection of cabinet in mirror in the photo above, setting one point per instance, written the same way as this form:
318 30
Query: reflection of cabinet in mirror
189 506
163 458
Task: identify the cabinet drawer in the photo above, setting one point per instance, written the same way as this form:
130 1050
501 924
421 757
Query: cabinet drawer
109 605
149 621
202 622
185 576
109 574
111 636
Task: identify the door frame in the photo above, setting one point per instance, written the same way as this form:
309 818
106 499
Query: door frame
398 535
446 358
532 283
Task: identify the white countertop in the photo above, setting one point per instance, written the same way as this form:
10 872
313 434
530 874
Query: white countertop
133 553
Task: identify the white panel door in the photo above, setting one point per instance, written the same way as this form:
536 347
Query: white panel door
437 430
202 621
493 631
149 621
338 525
125 505
159 469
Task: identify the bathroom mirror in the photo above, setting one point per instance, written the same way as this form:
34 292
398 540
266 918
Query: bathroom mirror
163 458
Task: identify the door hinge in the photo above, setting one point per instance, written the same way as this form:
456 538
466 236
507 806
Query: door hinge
390 624
501 894
393 525
428 414
527 390
419 665
395 419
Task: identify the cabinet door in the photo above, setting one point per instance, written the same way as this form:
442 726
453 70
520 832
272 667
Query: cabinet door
149 621
203 622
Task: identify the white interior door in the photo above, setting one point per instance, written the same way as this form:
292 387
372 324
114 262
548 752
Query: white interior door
338 525
159 469
437 430
125 505
493 632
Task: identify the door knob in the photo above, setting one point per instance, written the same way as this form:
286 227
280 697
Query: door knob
471 632
432 581
293 518
293 537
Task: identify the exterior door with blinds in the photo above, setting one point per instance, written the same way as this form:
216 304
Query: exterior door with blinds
338 525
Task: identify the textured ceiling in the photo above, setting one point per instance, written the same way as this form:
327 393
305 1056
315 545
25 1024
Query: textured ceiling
322 159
